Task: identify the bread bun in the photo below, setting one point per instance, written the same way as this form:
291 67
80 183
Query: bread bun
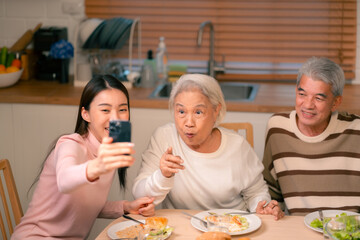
156 222
214 236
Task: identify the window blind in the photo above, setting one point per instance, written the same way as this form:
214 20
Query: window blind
265 39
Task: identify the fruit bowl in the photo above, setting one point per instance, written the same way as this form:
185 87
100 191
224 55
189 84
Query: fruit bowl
9 79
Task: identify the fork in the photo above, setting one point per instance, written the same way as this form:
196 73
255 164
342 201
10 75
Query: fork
241 213
201 220
321 215
238 213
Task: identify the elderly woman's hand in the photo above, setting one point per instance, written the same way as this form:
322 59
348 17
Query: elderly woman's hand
272 208
170 164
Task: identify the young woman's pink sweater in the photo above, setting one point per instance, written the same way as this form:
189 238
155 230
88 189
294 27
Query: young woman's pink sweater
65 204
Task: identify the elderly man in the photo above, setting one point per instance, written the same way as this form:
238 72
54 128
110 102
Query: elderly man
312 154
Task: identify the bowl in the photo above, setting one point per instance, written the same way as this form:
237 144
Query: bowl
9 79
343 228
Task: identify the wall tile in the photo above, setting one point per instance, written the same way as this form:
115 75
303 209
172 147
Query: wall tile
53 9
2 10
25 8
12 28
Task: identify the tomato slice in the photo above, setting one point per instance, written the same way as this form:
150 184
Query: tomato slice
236 220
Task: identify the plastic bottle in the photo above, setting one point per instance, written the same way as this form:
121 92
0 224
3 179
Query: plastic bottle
148 71
150 61
162 61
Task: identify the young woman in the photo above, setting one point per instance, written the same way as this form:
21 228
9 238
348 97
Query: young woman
77 174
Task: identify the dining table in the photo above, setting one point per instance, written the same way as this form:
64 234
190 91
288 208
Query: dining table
289 227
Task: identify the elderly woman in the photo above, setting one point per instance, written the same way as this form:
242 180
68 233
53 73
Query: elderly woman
194 164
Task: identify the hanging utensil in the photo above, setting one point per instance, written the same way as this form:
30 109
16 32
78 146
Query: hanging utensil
24 40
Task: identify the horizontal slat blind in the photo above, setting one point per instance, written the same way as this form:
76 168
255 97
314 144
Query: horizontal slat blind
267 32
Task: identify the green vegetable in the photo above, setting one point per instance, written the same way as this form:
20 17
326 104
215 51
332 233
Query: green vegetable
316 223
352 231
163 233
3 55
156 232
10 58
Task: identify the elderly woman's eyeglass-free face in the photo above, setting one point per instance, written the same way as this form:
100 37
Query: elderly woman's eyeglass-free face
194 119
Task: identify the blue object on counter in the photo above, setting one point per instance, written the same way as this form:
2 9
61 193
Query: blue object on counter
62 49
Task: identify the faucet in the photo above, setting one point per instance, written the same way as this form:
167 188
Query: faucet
212 68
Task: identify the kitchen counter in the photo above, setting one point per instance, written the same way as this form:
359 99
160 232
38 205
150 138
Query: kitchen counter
271 97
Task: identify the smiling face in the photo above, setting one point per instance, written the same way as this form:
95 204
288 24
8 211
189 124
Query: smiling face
109 104
194 119
314 104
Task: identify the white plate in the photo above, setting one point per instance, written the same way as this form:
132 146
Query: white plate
253 220
327 213
122 225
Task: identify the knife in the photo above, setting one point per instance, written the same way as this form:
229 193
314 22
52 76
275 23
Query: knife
201 220
133 219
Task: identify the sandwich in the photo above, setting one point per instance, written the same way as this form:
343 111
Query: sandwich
156 225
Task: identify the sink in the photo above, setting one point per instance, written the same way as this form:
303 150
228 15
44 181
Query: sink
233 91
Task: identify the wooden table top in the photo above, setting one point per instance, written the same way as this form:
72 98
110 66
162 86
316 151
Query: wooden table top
289 227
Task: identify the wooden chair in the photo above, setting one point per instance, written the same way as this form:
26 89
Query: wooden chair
242 126
11 206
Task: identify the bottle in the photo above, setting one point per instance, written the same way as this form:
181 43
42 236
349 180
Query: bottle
161 62
151 61
148 71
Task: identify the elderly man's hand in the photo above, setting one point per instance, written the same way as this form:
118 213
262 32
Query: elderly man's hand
272 208
170 164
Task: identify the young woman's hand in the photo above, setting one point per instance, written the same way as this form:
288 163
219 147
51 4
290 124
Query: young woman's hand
170 164
272 208
110 156
143 206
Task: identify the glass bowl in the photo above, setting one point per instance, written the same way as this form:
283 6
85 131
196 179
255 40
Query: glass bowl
344 228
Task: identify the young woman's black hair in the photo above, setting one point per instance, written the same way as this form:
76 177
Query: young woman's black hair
96 85
92 88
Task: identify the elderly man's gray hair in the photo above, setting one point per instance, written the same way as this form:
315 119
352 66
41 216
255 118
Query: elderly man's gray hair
323 69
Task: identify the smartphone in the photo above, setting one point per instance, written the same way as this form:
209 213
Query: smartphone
120 131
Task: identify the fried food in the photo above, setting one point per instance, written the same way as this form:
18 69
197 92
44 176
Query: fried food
214 236
154 226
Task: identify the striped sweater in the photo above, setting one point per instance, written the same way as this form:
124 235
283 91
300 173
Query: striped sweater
312 173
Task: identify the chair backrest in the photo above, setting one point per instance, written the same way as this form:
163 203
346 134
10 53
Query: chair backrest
242 126
11 207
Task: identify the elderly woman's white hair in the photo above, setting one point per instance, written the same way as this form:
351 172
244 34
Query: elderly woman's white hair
207 85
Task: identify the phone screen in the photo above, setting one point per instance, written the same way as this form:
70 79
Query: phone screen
120 131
